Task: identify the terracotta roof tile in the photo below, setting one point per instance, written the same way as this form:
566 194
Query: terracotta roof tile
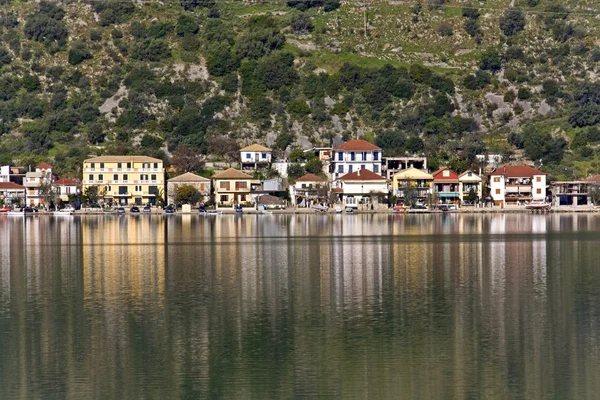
357 145
310 178
43 166
65 182
517 171
10 185
362 175
188 177
255 147
124 159
231 173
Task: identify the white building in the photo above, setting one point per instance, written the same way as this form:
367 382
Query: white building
34 181
361 187
353 156
255 156
5 173
517 184
64 188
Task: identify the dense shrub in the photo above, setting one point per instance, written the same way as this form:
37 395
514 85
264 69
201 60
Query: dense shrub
301 24
512 21
490 61
114 11
47 24
78 53
151 50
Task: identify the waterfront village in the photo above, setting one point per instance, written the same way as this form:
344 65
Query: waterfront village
355 176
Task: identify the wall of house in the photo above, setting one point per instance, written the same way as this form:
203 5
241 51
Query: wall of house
497 189
539 187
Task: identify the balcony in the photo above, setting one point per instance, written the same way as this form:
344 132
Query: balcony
518 189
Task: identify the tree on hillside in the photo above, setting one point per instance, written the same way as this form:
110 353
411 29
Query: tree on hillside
186 159
512 21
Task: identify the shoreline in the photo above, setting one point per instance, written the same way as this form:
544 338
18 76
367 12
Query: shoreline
308 211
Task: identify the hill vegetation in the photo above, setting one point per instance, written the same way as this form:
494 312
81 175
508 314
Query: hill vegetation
446 78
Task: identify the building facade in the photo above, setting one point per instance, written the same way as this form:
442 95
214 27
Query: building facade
12 193
64 188
361 187
308 190
512 185
355 155
202 184
125 180
470 183
446 185
37 183
412 179
255 156
233 187
393 165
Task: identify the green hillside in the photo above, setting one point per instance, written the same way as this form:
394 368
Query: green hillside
445 78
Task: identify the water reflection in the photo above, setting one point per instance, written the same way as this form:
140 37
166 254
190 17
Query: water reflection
267 306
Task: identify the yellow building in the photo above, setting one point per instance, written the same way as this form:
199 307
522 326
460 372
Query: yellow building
414 178
124 179
233 187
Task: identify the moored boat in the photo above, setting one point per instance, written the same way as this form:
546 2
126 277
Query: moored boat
539 205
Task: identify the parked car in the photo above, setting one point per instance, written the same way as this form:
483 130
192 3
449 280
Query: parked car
134 209
170 209
419 207
442 207
452 207
121 210
147 209
94 205
399 208
29 209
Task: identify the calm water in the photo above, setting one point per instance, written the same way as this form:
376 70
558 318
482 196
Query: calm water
268 307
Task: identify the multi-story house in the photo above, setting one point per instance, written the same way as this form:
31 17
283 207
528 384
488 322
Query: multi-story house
414 179
446 185
574 193
392 165
65 187
361 187
233 187
37 183
202 184
255 156
10 191
125 179
309 189
353 156
469 182
517 184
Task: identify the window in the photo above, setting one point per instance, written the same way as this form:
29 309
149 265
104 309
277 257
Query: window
101 165
107 188
128 165
376 168
125 177
364 156
202 189
340 156
101 177
146 165
350 168
115 177
93 165
248 156
352 156
264 156
446 173
497 191
340 169
363 166
538 178
224 185
155 165
241 185
224 198
376 155
91 177
539 191
304 186
153 177
496 179
243 197
469 173
122 189
119 165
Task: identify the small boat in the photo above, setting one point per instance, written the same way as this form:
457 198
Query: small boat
5 210
211 212
338 210
538 205
65 211
16 213
350 210
320 208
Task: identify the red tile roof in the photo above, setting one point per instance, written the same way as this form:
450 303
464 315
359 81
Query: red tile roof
594 178
65 182
310 178
10 185
362 175
357 145
43 166
438 176
517 171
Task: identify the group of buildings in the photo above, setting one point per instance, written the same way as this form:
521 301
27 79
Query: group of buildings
354 173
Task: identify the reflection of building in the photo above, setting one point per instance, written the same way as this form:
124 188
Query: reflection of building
255 156
392 165
36 182
361 187
201 183
124 179
233 187
469 182
353 156
412 178
512 184
445 184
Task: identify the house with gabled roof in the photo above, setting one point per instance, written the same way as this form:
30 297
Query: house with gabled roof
445 185
355 155
35 181
65 187
233 187
517 184
361 187
415 179
470 183
202 184
309 189
9 191
255 156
